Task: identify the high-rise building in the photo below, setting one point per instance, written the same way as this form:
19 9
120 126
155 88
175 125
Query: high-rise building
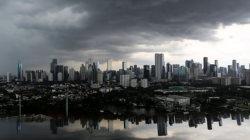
124 66
144 83
28 76
234 65
133 83
82 72
159 66
53 68
66 73
213 70
20 71
183 74
59 76
99 77
72 74
205 64
59 68
176 66
39 75
109 64
51 77
216 63
135 70
9 77
124 80
152 70
146 71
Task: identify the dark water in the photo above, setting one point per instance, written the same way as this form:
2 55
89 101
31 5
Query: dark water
187 126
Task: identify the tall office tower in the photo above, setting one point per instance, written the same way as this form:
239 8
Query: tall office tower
242 67
152 70
124 66
130 73
66 73
162 126
131 68
176 66
135 70
90 61
216 63
20 71
82 72
124 80
246 76
97 65
169 71
59 76
8 77
234 65
159 65
169 67
39 75
72 74
205 64
213 70
28 76
99 77
51 77
53 68
90 74
109 64
59 68
183 74
188 63
146 71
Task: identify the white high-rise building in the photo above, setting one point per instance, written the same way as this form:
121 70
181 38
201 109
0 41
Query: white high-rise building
144 83
159 66
109 64
133 83
51 77
72 74
9 77
124 80
59 76
124 65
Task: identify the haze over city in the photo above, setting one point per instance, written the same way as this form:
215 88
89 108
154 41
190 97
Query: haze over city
74 31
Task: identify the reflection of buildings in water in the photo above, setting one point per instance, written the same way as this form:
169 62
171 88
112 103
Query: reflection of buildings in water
209 122
239 120
162 126
18 124
53 126
110 126
126 124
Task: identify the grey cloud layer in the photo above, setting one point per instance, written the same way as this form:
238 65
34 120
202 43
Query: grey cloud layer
37 31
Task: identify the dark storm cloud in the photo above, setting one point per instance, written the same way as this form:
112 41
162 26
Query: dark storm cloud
37 31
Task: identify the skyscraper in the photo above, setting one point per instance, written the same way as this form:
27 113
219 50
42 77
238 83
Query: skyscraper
159 65
135 70
109 64
205 65
152 70
146 71
72 74
59 68
8 77
53 68
124 66
234 65
20 71
216 63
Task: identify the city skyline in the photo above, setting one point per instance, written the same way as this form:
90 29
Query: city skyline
133 31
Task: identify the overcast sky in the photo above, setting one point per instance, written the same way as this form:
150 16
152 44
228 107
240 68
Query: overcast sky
36 31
